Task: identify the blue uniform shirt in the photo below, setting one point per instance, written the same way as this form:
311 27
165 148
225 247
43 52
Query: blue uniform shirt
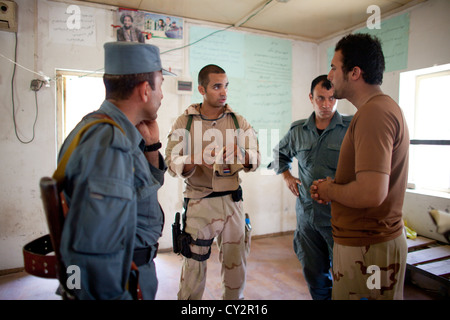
317 157
111 190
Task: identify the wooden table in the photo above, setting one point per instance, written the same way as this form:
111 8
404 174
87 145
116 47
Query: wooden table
430 258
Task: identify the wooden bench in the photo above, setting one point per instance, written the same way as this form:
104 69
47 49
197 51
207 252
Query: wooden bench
430 258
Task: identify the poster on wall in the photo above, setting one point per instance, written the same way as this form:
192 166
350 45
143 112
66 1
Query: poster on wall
165 32
139 26
64 29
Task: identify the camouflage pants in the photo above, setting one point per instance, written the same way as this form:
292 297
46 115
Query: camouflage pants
223 219
371 272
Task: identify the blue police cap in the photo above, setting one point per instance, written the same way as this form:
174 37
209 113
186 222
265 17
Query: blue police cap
123 57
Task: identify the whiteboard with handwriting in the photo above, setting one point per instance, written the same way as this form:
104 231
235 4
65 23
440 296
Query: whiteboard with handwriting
258 69
394 37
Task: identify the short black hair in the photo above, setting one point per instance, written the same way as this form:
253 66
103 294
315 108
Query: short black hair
321 79
364 51
203 75
120 87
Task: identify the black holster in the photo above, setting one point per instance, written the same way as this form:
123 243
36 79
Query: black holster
180 239
182 242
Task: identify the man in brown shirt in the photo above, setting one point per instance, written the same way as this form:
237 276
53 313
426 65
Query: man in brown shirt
369 256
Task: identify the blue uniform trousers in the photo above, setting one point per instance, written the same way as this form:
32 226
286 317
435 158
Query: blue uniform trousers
314 248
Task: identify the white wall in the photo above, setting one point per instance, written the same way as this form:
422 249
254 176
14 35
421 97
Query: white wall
22 165
429 45
21 215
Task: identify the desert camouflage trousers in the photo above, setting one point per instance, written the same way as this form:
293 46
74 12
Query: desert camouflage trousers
370 272
223 219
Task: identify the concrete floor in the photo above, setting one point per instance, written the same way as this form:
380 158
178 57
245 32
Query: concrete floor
274 273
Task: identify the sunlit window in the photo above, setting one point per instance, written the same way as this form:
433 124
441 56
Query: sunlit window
423 99
79 93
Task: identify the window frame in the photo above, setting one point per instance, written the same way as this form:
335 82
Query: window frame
61 89
409 82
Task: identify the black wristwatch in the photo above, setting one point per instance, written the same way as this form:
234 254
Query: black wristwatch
152 147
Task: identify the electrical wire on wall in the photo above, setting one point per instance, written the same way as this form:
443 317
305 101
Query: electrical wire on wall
34 87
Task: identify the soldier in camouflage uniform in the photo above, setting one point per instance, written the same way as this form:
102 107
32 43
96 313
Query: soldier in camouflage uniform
213 197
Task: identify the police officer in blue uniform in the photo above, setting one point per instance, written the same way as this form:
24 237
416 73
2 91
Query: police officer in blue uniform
112 178
315 142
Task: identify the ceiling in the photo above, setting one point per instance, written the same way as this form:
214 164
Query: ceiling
311 20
